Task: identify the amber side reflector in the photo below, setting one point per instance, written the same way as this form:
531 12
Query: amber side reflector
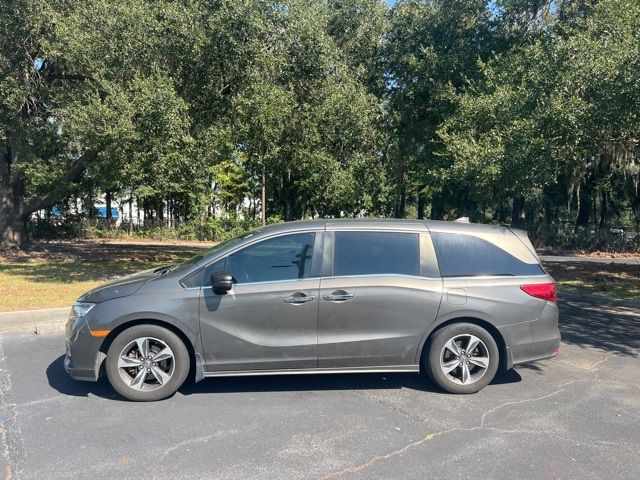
100 333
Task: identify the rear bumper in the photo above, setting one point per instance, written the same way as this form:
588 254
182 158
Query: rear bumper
533 340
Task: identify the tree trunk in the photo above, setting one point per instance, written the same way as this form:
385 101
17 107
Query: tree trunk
263 197
584 209
402 199
437 207
12 221
604 210
15 210
517 212
401 192
130 226
107 202
585 202
12 214
289 197
160 212
421 204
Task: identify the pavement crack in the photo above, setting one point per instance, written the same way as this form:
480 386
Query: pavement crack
202 439
594 369
379 458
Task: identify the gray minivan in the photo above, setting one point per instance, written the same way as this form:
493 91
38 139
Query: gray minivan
455 300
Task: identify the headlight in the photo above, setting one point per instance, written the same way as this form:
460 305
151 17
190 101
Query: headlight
80 309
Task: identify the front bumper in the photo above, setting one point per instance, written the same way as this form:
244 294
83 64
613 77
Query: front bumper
533 340
83 357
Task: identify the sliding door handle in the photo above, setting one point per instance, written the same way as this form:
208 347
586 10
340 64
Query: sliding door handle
339 296
299 298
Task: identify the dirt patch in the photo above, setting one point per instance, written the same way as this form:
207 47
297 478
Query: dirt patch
104 251
586 253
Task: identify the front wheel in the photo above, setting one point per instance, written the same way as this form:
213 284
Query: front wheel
146 363
462 358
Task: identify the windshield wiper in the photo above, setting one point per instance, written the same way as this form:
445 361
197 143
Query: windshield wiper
164 269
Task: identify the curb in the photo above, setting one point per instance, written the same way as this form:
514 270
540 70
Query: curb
46 321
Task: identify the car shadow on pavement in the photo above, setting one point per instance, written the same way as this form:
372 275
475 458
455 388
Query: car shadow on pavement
60 381
311 382
599 323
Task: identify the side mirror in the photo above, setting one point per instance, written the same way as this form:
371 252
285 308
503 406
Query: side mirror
221 282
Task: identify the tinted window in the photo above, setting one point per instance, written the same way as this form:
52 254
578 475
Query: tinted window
211 251
464 255
281 258
370 253
213 268
194 280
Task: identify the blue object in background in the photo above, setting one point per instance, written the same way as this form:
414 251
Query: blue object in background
102 212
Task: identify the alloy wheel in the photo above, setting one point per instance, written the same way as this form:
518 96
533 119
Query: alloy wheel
464 359
146 364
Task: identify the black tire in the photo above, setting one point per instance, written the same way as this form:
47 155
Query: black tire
178 368
435 349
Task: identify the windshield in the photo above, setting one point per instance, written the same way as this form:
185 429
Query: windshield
195 259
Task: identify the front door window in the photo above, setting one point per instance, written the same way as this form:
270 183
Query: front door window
282 258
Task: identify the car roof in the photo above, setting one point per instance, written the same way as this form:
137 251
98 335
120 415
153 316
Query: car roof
385 223
498 235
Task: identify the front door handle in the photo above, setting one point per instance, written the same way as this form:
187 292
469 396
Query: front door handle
338 296
299 297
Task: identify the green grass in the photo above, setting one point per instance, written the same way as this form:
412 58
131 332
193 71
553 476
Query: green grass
608 280
57 278
54 275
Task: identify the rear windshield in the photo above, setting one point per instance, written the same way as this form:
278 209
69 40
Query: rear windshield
468 256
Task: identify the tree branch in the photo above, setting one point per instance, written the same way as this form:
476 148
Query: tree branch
33 204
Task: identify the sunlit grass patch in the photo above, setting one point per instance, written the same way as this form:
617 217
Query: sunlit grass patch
610 280
55 275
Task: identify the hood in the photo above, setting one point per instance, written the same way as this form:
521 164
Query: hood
120 287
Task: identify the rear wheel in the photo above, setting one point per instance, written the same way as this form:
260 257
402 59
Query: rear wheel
147 363
462 358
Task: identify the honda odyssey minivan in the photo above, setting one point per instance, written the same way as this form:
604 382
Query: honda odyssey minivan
455 300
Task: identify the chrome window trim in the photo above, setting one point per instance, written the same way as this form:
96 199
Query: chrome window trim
378 275
293 280
494 277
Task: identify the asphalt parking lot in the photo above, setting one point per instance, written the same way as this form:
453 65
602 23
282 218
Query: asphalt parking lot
574 416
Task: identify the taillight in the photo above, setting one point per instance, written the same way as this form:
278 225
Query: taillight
545 291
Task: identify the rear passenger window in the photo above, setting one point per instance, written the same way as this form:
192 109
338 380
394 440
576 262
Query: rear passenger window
467 256
371 253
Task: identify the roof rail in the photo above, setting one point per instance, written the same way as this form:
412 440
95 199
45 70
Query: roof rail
462 220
